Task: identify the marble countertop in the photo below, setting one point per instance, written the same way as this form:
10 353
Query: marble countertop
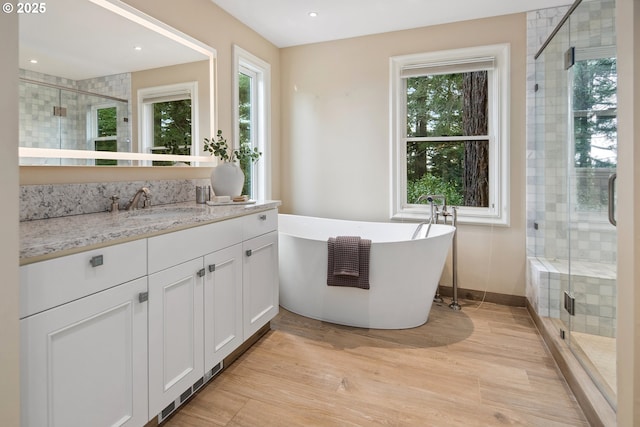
54 237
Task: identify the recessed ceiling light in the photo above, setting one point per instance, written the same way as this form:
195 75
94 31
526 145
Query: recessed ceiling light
313 14
33 61
138 47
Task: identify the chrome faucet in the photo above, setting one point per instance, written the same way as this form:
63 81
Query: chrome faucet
135 200
431 199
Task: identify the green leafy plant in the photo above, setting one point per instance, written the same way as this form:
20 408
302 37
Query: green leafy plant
219 147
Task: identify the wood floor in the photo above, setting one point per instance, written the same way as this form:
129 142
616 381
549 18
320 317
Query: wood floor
481 366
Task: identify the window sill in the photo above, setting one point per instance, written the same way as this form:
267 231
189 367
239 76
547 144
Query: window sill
472 216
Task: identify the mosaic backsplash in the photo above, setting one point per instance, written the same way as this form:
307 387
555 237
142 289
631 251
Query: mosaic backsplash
52 201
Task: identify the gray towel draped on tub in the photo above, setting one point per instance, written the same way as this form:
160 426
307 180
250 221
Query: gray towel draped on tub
348 261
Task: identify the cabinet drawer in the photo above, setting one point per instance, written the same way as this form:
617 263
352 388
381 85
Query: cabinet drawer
47 284
260 223
175 248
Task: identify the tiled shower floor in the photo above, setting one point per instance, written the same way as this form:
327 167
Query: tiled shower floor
601 353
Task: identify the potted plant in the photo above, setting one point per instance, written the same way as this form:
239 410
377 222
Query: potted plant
227 178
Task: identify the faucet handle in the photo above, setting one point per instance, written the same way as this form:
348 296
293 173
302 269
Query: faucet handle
114 203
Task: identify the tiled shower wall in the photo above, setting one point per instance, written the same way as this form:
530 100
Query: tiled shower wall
592 244
40 128
540 24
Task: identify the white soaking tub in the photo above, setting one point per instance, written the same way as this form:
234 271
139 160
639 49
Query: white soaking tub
403 276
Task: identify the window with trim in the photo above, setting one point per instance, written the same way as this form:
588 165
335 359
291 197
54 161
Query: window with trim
252 83
449 133
104 131
167 124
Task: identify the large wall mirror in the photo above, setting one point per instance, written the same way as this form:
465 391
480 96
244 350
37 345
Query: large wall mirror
101 83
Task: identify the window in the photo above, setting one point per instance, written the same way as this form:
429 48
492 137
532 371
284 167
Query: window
449 121
167 119
593 79
252 83
104 131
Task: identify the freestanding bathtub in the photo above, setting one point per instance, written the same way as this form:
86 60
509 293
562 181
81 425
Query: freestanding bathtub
403 273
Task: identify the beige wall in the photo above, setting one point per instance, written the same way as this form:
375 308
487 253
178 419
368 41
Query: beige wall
628 183
9 328
206 22
183 73
335 137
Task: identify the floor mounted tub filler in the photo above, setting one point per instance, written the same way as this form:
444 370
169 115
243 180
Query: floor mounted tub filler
403 275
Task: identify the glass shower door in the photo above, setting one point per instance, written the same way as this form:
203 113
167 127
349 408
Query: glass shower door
592 237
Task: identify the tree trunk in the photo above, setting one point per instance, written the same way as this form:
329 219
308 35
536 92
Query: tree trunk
476 153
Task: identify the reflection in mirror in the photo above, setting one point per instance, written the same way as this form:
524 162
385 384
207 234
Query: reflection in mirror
82 86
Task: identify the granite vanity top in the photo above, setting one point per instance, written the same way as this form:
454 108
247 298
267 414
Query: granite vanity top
54 237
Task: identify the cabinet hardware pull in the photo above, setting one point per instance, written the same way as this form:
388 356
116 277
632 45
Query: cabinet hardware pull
249 252
263 217
212 268
143 296
96 261
201 272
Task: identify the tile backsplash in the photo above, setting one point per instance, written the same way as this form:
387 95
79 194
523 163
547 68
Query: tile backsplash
56 200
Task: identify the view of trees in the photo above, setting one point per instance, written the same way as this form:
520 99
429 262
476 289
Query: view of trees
172 128
107 126
594 130
448 105
107 122
244 82
594 111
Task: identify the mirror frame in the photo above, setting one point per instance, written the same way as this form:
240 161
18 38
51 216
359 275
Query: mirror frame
144 159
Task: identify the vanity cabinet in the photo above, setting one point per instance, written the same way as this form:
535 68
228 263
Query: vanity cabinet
84 346
175 332
260 281
223 330
118 335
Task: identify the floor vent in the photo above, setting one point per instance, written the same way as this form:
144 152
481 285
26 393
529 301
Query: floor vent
167 411
216 369
198 384
184 396
189 392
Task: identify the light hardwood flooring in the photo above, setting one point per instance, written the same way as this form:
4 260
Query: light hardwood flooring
481 366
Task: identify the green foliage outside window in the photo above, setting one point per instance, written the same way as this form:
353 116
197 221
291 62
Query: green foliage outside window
172 128
244 94
441 106
107 122
594 130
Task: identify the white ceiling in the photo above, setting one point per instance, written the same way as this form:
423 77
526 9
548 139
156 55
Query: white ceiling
287 22
78 39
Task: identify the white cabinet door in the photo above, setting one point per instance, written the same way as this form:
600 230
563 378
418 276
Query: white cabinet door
85 362
260 281
222 304
175 332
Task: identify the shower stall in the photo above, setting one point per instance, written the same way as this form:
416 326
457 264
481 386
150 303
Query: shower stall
572 157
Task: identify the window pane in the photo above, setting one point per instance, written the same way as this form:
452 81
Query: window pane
457 170
435 168
595 131
245 83
447 105
172 126
107 122
245 91
106 145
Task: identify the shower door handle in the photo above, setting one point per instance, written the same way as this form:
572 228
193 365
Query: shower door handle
612 189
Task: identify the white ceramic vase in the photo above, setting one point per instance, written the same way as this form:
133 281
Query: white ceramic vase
227 179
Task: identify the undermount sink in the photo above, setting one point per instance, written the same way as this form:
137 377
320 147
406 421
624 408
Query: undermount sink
164 212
